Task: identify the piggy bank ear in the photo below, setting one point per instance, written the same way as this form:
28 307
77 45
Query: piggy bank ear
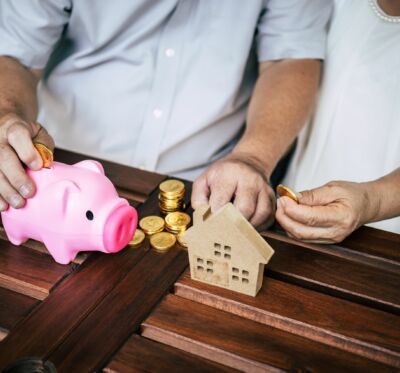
91 165
59 192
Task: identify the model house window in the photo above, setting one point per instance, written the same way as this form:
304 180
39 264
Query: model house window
200 264
222 250
240 275
217 249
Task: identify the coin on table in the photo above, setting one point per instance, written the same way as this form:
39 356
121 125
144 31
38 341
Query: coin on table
284 191
152 224
177 220
172 187
162 241
137 239
182 239
45 153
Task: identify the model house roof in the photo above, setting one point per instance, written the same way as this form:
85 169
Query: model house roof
228 214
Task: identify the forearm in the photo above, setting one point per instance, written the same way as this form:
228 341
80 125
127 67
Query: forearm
281 103
18 89
383 195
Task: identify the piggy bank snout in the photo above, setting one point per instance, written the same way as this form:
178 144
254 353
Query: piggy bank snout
119 228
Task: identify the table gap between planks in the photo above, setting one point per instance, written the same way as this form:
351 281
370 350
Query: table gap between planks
321 308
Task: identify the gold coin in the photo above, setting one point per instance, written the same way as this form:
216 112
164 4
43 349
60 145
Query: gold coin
172 187
45 153
162 241
182 240
177 220
285 191
152 224
137 239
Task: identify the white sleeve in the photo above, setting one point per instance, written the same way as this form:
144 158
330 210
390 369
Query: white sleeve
293 29
29 29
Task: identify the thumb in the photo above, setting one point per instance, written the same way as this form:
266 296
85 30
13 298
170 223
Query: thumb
43 137
315 197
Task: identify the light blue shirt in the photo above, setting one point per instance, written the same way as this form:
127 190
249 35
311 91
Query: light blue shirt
162 85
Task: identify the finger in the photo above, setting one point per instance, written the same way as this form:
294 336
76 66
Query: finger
264 212
200 192
19 138
301 231
44 138
3 204
314 216
318 196
222 191
246 200
15 174
9 194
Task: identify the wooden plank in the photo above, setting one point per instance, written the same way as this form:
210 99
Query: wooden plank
334 275
28 271
374 242
139 183
143 355
67 306
383 262
13 307
336 322
120 313
243 344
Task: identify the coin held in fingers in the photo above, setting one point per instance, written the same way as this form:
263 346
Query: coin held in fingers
284 191
45 153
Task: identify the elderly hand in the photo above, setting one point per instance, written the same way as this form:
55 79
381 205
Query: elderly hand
16 146
241 179
327 214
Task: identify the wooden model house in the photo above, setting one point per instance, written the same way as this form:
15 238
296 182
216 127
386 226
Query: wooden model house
225 250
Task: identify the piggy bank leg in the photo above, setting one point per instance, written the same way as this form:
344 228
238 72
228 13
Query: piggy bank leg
13 233
59 251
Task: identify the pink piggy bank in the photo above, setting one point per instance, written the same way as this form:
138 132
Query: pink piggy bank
75 208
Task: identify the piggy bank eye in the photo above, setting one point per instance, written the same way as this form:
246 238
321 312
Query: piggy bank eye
89 215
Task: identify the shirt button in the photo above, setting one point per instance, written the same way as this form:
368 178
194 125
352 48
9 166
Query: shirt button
169 52
157 113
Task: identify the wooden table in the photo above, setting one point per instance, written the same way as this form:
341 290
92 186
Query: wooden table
321 308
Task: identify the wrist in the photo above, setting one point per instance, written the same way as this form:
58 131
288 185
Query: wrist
253 159
372 200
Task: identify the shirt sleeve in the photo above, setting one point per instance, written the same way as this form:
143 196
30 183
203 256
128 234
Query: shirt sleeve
29 29
293 29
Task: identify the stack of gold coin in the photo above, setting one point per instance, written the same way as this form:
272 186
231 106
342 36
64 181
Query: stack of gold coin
177 222
152 224
171 197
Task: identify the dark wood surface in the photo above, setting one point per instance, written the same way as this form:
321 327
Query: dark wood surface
143 355
243 344
321 308
13 307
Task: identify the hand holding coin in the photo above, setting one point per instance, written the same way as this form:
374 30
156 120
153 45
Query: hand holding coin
326 214
17 137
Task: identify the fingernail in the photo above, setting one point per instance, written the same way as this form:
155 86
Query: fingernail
282 202
25 190
34 165
15 201
3 206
